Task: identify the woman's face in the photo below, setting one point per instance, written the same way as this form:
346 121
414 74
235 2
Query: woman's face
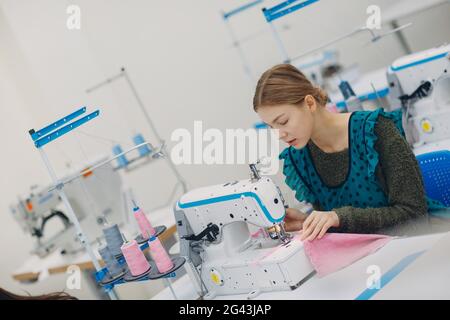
295 123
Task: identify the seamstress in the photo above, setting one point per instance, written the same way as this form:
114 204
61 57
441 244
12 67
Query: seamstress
356 168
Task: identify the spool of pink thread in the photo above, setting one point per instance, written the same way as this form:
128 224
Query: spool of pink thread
160 255
136 261
145 226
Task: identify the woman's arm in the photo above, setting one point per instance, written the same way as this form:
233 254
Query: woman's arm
401 174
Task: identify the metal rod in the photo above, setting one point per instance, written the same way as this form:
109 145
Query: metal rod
348 35
240 51
374 38
228 15
279 43
152 126
285 8
82 237
101 164
378 98
401 37
170 287
123 73
175 171
141 105
103 83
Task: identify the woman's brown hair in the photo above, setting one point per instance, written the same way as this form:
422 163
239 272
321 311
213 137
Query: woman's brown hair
6 295
285 84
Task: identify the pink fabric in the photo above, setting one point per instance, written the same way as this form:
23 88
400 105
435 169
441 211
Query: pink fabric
338 250
261 233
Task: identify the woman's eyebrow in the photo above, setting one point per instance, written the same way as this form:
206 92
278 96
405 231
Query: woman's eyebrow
274 120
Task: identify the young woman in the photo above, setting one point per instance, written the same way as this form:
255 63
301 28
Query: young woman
355 168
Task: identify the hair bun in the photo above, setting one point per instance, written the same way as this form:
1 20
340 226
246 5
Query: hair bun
321 96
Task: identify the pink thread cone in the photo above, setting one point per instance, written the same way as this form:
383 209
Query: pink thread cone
136 261
160 255
145 226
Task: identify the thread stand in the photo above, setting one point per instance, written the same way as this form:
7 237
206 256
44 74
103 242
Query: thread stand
130 278
108 283
108 279
178 262
158 231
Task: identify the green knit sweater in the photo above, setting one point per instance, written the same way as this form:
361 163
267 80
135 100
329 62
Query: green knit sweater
399 176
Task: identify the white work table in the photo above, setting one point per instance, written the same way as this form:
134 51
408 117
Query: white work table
404 275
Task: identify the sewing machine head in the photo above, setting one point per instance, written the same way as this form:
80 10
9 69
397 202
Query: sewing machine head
95 198
233 205
33 213
224 256
408 73
420 85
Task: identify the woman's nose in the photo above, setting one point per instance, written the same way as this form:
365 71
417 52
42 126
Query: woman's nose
282 135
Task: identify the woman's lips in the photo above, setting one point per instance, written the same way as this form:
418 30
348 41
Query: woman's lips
292 142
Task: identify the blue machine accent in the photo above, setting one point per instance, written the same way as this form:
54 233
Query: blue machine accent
390 275
229 14
346 89
122 260
416 63
122 160
144 246
228 198
40 133
66 129
435 167
341 104
277 11
260 125
373 96
143 150
367 97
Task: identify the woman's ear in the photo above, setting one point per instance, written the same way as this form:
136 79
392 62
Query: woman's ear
311 102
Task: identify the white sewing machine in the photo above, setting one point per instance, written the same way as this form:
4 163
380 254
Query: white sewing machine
96 198
420 85
223 256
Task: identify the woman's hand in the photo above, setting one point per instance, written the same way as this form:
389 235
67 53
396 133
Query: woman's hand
294 219
317 224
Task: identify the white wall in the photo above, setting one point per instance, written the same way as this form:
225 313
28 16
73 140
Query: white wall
179 55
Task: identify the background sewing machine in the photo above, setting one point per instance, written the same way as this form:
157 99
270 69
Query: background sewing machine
97 198
223 256
320 66
420 85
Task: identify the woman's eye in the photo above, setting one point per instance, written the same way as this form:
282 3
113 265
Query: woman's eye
283 123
